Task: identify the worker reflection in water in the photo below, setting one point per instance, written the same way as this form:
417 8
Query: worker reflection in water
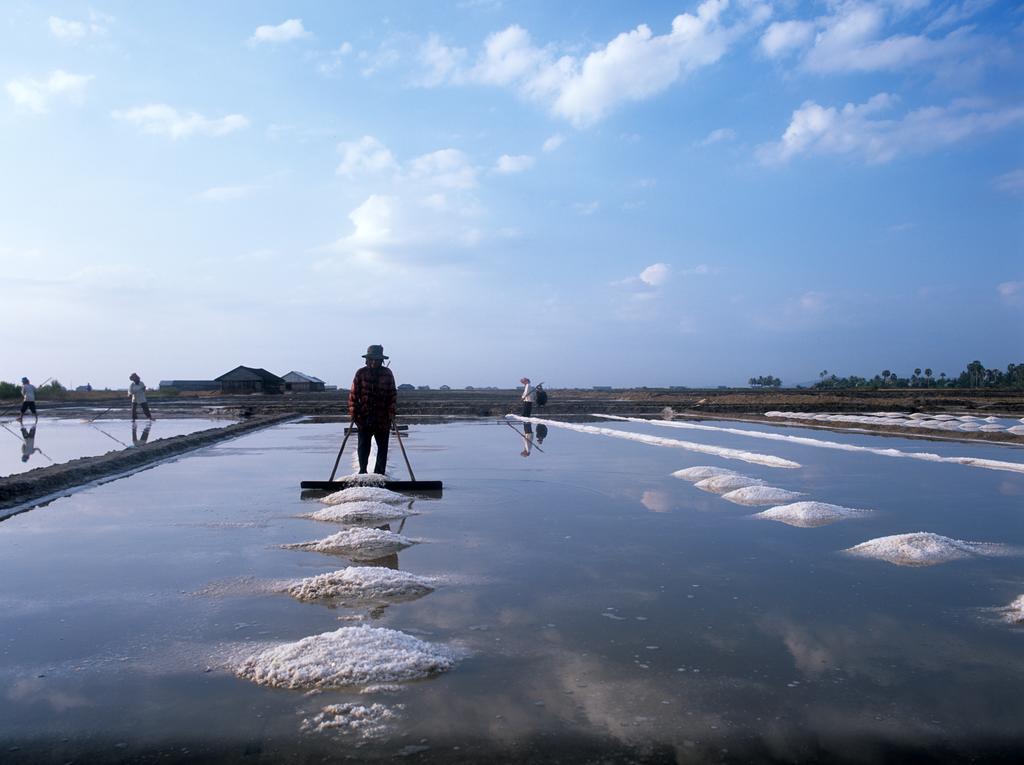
371 405
527 440
138 440
29 447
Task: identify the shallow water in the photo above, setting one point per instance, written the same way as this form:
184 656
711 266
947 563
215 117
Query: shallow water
594 601
54 440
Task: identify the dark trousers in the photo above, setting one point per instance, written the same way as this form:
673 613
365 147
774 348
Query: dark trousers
381 437
527 408
145 409
28 406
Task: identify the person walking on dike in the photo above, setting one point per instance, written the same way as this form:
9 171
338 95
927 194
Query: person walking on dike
137 393
529 396
28 394
371 405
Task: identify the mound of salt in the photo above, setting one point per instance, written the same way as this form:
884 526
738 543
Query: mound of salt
944 417
720 484
363 479
923 548
808 515
991 428
362 583
364 494
700 472
1017 430
347 656
760 495
360 512
358 544
991 419
365 721
1014 613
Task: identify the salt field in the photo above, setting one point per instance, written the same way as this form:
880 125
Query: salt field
589 602
55 440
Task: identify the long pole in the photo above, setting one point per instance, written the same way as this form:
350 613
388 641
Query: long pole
348 432
402 447
100 414
5 411
534 446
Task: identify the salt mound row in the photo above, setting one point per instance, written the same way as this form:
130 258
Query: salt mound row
363 479
700 472
720 484
366 721
1014 613
761 495
348 656
1017 430
364 494
991 428
362 583
359 544
808 515
923 548
357 512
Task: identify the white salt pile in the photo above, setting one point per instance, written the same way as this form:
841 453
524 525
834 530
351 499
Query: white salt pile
1014 613
360 544
1017 430
761 495
362 583
700 472
364 721
720 484
925 549
991 428
347 656
363 479
360 512
364 494
809 515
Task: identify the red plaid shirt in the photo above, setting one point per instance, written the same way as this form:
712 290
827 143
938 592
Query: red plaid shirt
371 401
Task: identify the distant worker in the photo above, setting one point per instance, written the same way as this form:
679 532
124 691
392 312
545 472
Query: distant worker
529 396
28 394
137 393
29 447
371 405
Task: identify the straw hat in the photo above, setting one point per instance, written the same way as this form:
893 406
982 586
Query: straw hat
375 352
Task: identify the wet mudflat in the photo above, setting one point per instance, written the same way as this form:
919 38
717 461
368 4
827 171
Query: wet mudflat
588 600
55 440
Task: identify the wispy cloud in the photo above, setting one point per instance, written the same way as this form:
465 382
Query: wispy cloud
553 142
71 31
164 120
1012 182
510 164
1011 293
655 275
227 193
367 155
286 31
721 135
37 95
858 130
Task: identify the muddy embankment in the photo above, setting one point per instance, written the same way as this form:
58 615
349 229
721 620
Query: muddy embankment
24 487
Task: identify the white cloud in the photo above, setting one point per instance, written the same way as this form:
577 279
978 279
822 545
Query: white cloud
373 221
439 62
446 168
634 66
958 12
854 130
161 119
586 208
1012 182
553 142
36 95
286 31
226 193
719 136
367 155
702 269
784 37
510 164
655 275
68 30
1011 293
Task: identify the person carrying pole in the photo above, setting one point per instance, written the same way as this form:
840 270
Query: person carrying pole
137 393
371 405
28 394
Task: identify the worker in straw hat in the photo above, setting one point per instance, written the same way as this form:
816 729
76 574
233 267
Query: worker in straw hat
371 405
137 393
28 395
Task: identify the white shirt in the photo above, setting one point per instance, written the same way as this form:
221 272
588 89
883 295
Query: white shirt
137 390
529 394
28 390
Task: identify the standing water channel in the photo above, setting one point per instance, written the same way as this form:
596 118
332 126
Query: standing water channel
585 601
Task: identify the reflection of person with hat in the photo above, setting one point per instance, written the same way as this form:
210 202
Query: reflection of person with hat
371 405
28 394
29 447
137 393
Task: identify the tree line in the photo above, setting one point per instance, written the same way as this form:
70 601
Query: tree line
50 390
976 375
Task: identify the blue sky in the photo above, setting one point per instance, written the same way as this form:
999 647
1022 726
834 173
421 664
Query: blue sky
598 193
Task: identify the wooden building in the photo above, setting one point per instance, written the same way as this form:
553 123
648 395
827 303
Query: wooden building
297 382
250 380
